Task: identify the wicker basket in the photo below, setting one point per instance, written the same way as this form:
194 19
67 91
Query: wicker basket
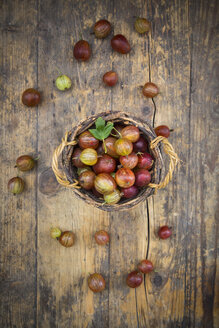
68 175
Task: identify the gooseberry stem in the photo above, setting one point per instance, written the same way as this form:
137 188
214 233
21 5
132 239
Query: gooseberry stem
104 145
120 136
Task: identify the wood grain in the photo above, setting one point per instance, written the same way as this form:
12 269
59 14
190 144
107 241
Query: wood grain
44 284
18 137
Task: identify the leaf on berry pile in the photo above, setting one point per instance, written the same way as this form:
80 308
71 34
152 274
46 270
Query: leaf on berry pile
102 130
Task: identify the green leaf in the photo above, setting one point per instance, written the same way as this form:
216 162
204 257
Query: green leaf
108 129
97 134
100 123
102 131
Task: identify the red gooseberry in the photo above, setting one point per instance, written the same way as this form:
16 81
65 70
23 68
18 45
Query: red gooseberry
131 133
125 178
134 279
87 140
145 266
129 161
142 177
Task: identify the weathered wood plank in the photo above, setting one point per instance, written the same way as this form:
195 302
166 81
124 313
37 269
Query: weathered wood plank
180 56
130 228
179 47
63 296
18 55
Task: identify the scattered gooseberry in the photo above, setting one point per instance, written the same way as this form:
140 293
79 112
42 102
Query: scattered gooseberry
101 237
82 50
134 279
150 90
102 28
145 266
120 44
16 185
25 163
63 82
162 130
164 232
67 239
142 25
110 78
55 233
31 97
96 282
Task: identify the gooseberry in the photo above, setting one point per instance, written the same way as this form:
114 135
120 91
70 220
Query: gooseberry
142 25
141 145
104 183
63 82
88 156
110 78
96 282
145 161
31 97
76 158
125 178
82 50
145 266
110 146
101 237
162 130
164 232
120 44
131 133
86 179
112 198
67 239
134 279
142 177
87 140
130 192
123 146
102 28
16 185
105 164
129 161
150 90
25 163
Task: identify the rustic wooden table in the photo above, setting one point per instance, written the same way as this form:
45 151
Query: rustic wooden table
45 285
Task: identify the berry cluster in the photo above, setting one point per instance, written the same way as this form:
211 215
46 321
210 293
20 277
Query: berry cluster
112 165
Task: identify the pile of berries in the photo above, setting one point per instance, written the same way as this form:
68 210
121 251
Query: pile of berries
113 161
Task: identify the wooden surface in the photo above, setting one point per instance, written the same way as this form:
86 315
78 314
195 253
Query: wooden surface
45 285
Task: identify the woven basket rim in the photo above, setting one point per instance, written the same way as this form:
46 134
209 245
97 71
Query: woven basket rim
127 118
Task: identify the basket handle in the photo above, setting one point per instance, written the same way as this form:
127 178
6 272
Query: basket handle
174 160
60 176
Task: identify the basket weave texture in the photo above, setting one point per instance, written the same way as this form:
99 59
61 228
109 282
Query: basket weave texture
71 173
